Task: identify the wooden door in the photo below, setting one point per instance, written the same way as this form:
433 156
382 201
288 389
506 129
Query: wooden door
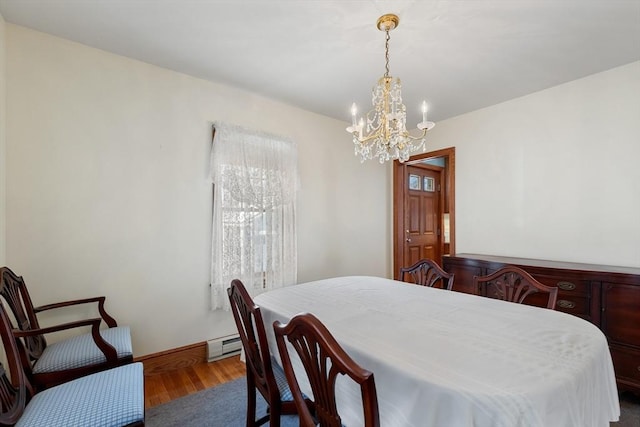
423 214
401 195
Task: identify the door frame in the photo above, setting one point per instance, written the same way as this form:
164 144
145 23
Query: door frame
399 170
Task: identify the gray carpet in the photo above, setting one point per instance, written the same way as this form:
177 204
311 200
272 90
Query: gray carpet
225 406
221 406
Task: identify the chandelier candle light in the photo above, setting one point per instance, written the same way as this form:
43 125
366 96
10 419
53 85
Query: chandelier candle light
386 135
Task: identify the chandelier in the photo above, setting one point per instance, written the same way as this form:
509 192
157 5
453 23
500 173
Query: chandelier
385 135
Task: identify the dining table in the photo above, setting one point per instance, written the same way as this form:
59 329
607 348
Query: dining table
442 358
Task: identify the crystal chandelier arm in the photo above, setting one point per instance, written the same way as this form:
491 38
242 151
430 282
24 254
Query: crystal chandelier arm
415 138
365 139
373 136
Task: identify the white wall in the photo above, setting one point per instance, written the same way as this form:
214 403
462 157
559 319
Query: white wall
107 189
3 121
552 175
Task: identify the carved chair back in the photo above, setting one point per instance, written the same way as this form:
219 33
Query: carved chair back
513 284
427 272
15 293
252 334
15 388
323 359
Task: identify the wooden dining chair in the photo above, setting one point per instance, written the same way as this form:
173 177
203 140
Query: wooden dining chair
263 372
323 359
48 365
427 272
110 398
513 284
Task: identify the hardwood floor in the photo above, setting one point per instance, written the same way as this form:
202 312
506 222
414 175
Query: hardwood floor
163 387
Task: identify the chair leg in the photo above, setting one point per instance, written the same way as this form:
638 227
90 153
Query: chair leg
251 402
274 414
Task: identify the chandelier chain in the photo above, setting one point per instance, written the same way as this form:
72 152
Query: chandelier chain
386 53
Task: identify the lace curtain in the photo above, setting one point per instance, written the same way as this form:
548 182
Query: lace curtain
255 179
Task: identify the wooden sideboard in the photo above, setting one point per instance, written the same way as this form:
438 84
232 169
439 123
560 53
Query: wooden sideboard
606 296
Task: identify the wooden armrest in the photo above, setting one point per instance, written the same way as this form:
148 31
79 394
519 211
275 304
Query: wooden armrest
110 321
56 328
68 303
107 349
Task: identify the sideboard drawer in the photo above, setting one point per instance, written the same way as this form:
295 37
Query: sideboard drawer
567 285
574 304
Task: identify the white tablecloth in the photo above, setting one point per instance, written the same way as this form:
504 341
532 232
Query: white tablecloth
448 359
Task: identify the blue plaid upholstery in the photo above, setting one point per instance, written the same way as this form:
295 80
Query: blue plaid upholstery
283 385
107 399
81 351
281 381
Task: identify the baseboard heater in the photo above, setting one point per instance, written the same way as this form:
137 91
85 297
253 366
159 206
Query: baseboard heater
221 348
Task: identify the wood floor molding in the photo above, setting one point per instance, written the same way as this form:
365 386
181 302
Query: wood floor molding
176 358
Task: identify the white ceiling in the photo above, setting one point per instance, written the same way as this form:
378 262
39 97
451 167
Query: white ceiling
323 55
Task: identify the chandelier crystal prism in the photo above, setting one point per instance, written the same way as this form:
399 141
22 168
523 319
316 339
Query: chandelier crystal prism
382 132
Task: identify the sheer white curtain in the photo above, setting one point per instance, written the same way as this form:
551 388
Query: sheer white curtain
255 179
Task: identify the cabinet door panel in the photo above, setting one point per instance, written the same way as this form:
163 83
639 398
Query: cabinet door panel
621 313
463 280
627 365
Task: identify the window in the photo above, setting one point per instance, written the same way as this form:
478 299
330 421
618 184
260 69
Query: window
254 204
